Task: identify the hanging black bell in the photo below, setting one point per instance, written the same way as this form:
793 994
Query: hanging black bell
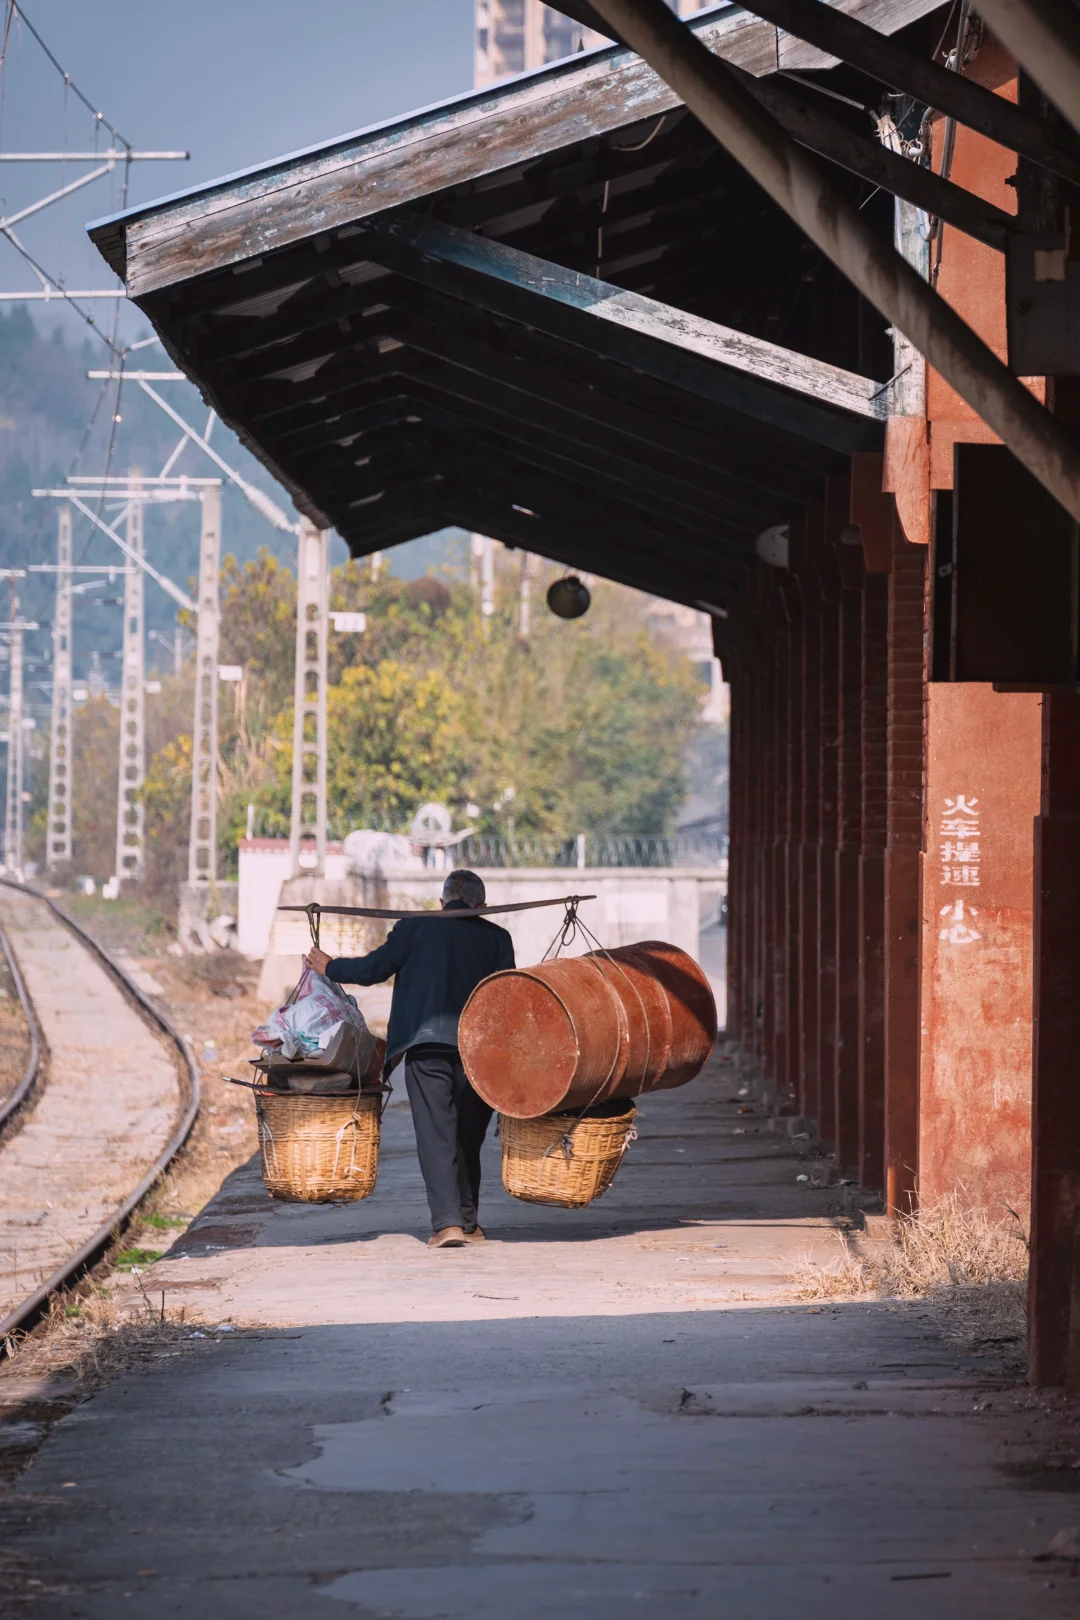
568 598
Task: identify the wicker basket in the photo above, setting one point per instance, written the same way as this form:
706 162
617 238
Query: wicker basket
319 1150
560 1159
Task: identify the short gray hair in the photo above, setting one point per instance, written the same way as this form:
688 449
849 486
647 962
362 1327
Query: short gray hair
461 884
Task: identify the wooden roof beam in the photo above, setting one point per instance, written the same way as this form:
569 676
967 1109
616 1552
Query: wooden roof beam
790 391
801 115
486 133
492 512
651 494
554 527
895 64
649 411
796 184
324 419
630 506
469 364
541 400
1044 36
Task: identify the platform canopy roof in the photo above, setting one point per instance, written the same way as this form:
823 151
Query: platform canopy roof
551 311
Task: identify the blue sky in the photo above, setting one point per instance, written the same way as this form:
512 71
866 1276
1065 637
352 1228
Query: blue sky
233 81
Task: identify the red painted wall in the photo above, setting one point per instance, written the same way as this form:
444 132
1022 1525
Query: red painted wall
983 784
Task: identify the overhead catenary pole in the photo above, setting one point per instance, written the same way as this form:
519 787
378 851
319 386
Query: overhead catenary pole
130 812
487 578
202 843
714 95
307 826
13 818
58 849
529 564
181 598
1044 36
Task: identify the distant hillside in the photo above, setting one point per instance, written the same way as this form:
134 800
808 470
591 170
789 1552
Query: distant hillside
54 421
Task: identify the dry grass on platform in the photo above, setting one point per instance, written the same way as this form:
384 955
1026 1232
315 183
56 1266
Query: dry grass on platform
87 1337
971 1267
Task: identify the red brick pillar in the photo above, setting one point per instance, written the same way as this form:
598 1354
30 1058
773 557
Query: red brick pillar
906 691
725 642
1054 1289
789 1075
848 857
810 772
875 670
762 894
754 874
774 685
836 516
737 648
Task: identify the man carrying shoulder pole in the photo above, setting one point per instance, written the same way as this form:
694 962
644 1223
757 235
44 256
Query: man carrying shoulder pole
435 967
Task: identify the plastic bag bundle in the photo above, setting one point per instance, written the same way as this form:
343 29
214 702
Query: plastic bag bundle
319 1026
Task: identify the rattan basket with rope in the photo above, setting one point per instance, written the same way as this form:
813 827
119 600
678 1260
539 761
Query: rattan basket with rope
319 1150
562 1158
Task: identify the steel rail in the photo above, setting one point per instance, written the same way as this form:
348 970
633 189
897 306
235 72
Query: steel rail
100 1239
26 1084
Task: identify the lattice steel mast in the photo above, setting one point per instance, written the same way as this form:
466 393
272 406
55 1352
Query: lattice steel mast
130 813
307 828
202 845
58 837
13 795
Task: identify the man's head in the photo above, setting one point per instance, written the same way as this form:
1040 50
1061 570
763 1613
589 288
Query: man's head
464 887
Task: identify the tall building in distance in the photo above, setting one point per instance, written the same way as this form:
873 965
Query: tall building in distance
514 35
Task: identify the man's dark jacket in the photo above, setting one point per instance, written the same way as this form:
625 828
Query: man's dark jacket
438 963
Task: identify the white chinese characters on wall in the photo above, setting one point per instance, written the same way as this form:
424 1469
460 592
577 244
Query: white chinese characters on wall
960 858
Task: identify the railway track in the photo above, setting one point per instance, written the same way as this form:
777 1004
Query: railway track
108 1098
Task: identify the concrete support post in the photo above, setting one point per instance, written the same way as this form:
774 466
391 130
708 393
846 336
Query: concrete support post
835 516
749 894
202 842
791 765
806 757
729 652
58 821
982 797
13 810
1054 1289
905 746
130 812
776 1029
849 850
874 707
307 828
757 871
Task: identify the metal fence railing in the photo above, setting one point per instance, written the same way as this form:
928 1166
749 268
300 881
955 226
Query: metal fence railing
533 849
593 849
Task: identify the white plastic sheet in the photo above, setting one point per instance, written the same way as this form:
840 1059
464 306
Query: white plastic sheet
319 1024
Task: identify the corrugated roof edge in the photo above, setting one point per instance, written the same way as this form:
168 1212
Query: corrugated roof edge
108 237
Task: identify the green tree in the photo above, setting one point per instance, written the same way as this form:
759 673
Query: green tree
579 727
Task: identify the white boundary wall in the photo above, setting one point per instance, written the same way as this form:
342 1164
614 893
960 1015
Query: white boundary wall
632 903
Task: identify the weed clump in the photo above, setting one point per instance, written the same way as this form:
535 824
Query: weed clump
970 1266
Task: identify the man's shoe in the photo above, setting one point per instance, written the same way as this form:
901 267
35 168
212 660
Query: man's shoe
451 1237
477 1235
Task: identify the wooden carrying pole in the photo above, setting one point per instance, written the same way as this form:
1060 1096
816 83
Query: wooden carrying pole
1044 36
713 94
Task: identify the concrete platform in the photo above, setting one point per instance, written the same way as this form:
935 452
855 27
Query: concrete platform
602 1413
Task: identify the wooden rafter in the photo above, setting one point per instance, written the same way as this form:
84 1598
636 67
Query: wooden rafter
762 380
490 131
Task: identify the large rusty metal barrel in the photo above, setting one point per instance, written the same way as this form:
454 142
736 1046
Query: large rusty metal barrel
583 1029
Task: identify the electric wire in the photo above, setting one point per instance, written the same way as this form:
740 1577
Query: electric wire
18 10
